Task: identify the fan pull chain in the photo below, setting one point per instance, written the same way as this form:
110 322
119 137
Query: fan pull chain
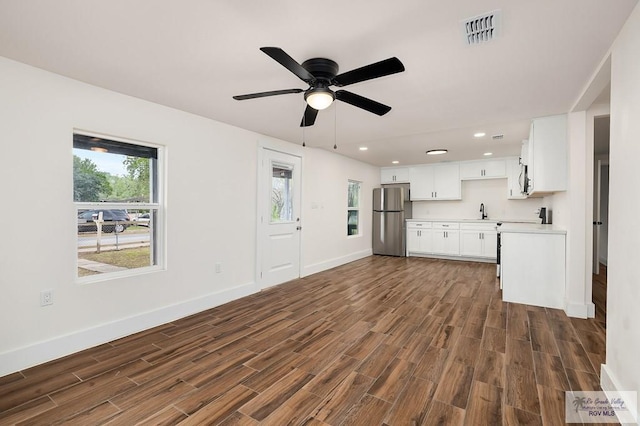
335 126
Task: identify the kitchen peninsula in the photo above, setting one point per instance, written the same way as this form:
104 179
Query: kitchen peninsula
533 264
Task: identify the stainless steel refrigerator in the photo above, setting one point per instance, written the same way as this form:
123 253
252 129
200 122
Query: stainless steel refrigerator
391 206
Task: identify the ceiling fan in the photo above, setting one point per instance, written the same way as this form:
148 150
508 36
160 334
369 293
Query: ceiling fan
319 74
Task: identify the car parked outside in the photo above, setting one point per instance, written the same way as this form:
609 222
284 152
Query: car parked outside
114 220
143 219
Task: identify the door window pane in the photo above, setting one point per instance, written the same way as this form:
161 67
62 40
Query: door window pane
281 193
353 208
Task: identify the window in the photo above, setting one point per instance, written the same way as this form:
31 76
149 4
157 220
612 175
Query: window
281 193
353 208
116 191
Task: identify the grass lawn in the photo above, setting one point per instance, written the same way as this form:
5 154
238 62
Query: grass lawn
126 258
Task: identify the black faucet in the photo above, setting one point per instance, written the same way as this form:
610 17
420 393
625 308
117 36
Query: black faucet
484 215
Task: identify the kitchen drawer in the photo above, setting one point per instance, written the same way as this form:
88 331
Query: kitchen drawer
445 225
484 226
418 225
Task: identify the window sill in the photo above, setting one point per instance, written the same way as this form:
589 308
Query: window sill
110 276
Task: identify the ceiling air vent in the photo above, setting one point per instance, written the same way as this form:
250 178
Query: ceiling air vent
497 137
482 28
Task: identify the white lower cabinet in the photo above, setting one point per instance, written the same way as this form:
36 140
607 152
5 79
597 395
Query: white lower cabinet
419 238
478 240
445 238
452 239
471 243
446 242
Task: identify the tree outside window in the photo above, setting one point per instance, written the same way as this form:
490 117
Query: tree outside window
353 208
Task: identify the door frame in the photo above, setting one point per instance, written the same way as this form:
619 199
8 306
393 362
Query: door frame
283 148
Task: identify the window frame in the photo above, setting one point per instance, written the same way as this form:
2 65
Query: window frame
157 233
354 208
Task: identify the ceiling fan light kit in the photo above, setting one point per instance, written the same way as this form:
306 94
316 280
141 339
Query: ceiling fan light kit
319 98
319 74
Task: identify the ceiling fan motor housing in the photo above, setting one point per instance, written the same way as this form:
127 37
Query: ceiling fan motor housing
321 68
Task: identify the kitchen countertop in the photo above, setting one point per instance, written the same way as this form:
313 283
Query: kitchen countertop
530 228
488 221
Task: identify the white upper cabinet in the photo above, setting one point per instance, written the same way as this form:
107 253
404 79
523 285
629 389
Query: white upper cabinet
515 176
547 162
484 169
394 175
435 182
422 184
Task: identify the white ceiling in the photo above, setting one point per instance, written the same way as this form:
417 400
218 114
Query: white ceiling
195 55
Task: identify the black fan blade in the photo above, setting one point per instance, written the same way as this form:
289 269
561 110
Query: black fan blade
263 94
309 117
362 102
368 72
289 63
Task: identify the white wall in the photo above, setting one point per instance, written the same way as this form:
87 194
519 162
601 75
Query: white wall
211 170
491 192
326 243
623 295
580 212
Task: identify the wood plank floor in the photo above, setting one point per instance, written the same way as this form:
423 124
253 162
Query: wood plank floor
393 341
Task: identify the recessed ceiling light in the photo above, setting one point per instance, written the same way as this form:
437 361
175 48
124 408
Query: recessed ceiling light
437 151
363 148
395 162
488 153
479 135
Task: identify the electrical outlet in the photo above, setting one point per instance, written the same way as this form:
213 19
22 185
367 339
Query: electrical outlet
46 297
218 267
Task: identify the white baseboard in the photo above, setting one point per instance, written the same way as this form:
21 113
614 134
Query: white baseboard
580 310
337 261
48 350
609 383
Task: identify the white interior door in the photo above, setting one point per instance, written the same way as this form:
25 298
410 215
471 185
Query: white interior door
279 222
597 220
